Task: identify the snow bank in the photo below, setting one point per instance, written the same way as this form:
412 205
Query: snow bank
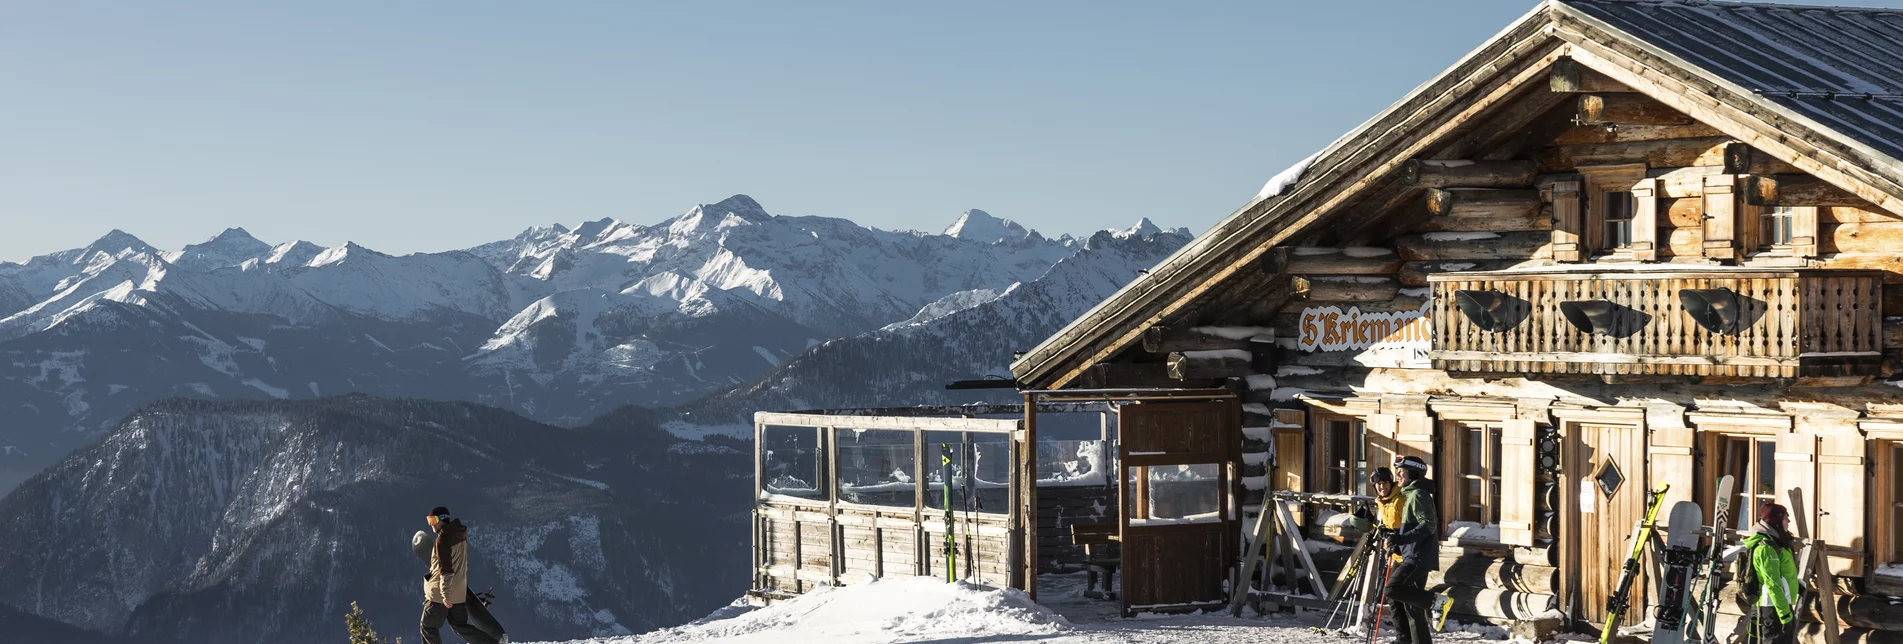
907 609
1282 181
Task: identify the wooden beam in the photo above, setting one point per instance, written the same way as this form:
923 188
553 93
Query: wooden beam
1678 183
1673 153
1741 158
1415 274
1872 238
1627 109
1539 219
1135 375
1334 260
1196 365
1570 77
1453 246
1797 190
1682 242
1482 202
1629 133
1460 173
1166 339
1347 288
1686 212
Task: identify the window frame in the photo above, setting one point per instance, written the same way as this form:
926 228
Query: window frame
1597 184
1457 453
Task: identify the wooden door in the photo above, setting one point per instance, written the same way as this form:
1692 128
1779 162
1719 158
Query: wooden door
1180 519
1606 484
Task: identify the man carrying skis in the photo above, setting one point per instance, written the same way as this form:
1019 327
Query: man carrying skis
1775 571
446 590
1417 546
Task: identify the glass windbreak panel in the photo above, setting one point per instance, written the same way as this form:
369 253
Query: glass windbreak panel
1075 463
1175 494
793 462
877 467
1619 207
979 468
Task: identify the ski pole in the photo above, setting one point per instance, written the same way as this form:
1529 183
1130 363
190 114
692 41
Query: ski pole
1374 636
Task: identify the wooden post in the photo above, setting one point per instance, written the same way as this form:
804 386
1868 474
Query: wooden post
832 508
1028 486
760 545
1798 190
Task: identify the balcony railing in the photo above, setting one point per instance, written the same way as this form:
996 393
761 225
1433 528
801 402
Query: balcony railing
1747 323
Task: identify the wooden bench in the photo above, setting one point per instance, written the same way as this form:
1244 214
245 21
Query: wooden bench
1096 538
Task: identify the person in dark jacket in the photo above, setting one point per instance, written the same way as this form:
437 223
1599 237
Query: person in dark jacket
446 589
1771 546
1417 545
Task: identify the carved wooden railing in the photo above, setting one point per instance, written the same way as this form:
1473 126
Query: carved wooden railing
1790 323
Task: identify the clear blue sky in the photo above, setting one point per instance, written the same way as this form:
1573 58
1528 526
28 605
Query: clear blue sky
416 126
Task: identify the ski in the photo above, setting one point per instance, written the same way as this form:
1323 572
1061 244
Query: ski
1707 607
1681 560
1617 604
951 515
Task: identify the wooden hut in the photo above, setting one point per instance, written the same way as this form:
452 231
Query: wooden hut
1618 246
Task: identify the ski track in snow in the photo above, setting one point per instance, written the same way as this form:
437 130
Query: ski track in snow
918 609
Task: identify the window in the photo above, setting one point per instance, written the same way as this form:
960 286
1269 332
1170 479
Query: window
1778 226
1475 494
1345 456
1618 217
1752 463
878 467
1615 224
793 463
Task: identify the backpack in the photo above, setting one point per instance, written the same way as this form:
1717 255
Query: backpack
1749 585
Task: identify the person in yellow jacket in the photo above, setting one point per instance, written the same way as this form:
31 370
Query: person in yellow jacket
446 590
1388 501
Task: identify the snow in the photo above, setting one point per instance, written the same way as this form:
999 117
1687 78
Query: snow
1235 332
1259 382
1443 237
260 385
767 354
1206 517
1459 530
900 609
1367 251
1217 354
1255 483
1143 228
1296 370
1264 434
916 609
1282 181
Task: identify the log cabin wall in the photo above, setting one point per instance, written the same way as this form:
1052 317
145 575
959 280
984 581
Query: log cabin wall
1345 348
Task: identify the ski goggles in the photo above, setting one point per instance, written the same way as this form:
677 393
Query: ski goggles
437 519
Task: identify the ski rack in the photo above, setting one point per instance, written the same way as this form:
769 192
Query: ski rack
1349 501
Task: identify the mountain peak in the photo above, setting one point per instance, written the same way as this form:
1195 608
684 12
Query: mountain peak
118 241
590 229
234 235
1144 228
739 205
981 226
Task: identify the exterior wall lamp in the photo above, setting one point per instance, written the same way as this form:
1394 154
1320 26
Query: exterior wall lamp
1716 309
1591 316
1485 309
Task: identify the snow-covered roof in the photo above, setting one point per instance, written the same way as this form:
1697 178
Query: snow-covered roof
1820 88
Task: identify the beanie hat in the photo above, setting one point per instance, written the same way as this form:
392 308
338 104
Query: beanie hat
1381 475
1772 513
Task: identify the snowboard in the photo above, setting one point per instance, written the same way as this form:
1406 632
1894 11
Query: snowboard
479 615
1681 559
1707 608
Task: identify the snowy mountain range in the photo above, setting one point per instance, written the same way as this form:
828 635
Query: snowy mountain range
559 324
228 522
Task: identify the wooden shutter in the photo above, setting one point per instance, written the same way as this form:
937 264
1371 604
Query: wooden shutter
1414 436
1645 220
1517 457
1568 224
1796 469
1291 470
1671 457
1840 469
1721 220
1804 235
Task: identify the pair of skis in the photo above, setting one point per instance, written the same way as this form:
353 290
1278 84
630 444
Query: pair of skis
965 462
1682 616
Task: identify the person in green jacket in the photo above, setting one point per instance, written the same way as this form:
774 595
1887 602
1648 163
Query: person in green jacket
1774 564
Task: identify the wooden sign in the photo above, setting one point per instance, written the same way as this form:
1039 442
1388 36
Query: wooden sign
1380 339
